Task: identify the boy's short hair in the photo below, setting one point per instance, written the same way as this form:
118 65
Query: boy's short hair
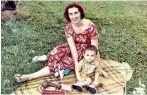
92 48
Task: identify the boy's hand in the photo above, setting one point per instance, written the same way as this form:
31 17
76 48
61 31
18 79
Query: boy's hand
95 83
104 74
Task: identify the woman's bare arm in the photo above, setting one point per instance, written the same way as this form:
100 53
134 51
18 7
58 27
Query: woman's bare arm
73 49
78 68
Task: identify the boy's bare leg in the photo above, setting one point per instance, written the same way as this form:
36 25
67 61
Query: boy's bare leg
88 81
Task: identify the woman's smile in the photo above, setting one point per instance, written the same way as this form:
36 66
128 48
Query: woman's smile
74 15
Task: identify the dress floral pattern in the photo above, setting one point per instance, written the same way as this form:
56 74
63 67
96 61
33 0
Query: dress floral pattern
61 54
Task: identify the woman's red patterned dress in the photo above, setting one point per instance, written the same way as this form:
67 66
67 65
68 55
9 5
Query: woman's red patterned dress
61 54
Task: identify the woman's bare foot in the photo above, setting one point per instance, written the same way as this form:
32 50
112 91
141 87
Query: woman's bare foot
39 58
21 78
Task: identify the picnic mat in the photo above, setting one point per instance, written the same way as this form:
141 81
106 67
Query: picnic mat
115 84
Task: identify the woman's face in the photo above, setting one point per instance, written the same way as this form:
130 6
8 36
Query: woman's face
74 15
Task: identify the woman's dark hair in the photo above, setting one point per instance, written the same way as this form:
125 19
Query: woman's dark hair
76 5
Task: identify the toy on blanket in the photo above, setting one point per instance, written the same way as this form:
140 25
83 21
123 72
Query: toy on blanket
61 73
58 87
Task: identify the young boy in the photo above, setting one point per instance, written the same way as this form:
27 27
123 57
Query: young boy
85 68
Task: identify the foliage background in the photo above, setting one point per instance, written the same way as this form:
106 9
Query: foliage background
39 26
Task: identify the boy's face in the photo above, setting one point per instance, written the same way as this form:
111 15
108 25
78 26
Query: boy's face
90 55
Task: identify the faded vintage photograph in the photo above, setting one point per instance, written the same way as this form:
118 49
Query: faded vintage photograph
73 47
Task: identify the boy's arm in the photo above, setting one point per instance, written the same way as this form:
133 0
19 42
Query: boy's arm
96 78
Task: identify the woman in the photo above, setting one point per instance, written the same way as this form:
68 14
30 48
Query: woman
80 33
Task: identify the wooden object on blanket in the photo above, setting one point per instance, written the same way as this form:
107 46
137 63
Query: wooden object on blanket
58 88
57 85
46 84
112 85
52 84
52 92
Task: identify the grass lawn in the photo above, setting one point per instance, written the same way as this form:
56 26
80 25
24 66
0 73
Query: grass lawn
39 27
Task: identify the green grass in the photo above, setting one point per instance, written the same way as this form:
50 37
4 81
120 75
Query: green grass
122 28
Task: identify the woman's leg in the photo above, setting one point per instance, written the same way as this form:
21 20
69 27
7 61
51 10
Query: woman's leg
41 73
39 58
